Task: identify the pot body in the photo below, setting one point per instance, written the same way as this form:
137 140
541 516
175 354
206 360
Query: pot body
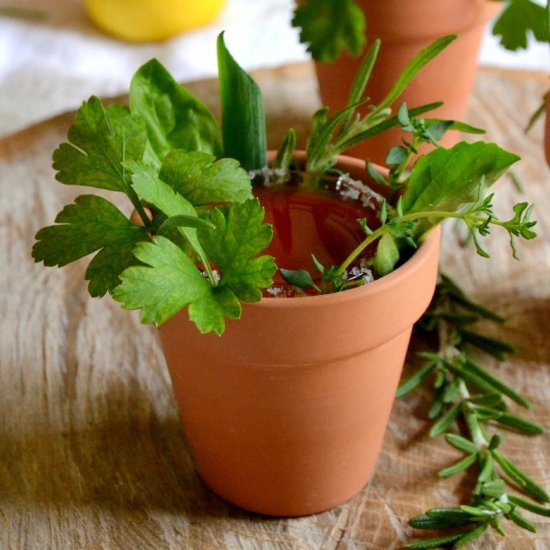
405 27
286 411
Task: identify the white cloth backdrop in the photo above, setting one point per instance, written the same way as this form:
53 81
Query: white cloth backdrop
52 61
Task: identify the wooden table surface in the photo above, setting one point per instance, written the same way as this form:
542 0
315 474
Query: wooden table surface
92 454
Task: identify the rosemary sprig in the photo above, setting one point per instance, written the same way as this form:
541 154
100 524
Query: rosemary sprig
470 409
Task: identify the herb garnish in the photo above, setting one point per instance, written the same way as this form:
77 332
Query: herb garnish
200 241
164 151
444 184
160 152
467 396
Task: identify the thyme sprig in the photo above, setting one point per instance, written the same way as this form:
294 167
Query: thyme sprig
470 409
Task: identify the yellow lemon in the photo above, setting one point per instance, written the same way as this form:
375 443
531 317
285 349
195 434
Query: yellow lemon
150 20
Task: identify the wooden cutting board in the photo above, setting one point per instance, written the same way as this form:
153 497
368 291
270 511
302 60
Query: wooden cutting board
92 452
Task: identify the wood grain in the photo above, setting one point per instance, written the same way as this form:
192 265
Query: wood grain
92 452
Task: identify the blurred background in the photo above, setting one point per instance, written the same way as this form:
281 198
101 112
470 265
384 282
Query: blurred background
52 55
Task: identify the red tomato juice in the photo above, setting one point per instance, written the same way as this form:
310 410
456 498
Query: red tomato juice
311 222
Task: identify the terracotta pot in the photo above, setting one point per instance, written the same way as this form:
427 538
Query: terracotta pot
286 411
405 27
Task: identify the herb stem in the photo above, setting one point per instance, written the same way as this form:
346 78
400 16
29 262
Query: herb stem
360 248
139 208
208 270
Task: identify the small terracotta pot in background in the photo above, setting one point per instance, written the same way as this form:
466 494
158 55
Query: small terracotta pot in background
286 411
405 27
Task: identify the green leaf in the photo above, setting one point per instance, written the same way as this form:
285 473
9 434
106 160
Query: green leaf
488 469
375 174
318 265
531 506
150 188
422 58
437 129
487 400
494 489
473 368
403 116
518 20
415 380
451 391
471 535
437 405
456 125
330 27
243 114
202 179
99 141
175 118
386 124
459 466
450 288
435 542
183 220
387 255
169 281
361 80
92 223
521 424
445 422
521 478
240 235
495 442
520 521
285 152
299 277
461 443
480 511
445 180
396 155
441 518
320 136
492 346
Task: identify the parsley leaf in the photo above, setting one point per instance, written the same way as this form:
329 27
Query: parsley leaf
92 223
202 179
240 235
170 281
175 118
153 190
99 141
330 27
518 19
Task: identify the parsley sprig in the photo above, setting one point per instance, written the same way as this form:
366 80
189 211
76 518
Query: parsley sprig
470 408
202 245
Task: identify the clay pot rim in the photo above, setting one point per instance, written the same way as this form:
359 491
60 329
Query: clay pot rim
384 284
487 11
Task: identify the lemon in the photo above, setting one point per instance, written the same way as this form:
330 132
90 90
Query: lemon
151 20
